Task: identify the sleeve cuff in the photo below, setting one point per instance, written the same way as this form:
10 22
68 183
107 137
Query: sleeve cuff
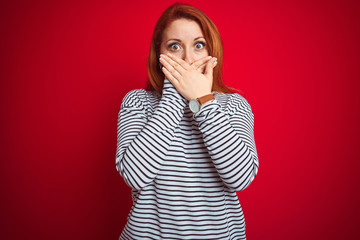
171 95
206 110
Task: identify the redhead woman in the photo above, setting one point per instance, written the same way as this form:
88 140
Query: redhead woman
185 144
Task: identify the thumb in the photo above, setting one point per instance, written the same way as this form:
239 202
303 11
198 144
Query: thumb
209 67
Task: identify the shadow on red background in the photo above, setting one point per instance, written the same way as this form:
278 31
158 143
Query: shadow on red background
66 66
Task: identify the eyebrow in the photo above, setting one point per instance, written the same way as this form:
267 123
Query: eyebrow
178 40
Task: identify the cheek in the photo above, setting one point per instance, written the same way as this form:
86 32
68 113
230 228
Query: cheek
162 50
177 53
201 54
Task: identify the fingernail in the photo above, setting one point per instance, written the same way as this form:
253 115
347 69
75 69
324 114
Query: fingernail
214 64
209 57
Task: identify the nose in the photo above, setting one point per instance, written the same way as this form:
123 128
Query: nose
188 56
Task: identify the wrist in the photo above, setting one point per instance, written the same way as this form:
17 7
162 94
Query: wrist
196 104
208 102
200 95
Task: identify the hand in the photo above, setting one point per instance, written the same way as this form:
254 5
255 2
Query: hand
200 64
186 78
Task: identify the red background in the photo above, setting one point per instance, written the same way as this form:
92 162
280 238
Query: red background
65 67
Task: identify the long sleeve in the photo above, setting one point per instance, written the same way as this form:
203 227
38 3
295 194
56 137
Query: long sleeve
142 142
229 137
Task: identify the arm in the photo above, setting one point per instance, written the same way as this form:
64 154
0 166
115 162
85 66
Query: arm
142 144
229 138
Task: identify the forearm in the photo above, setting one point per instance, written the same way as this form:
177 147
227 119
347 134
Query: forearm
230 143
143 147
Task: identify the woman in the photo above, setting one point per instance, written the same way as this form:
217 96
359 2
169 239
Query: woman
186 143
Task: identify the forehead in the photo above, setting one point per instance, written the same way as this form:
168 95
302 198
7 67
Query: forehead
182 29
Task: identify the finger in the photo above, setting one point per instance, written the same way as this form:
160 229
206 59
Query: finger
202 68
173 64
209 68
201 62
181 63
170 68
169 76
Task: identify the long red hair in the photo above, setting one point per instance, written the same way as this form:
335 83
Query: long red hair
211 35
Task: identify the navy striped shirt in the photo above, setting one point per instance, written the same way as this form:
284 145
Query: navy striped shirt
184 168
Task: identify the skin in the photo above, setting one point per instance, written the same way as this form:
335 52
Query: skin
186 62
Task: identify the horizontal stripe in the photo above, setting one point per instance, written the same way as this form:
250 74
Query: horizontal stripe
184 169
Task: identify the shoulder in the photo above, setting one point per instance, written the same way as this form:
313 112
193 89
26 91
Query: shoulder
139 98
134 98
233 102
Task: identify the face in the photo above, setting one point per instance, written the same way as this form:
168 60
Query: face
184 39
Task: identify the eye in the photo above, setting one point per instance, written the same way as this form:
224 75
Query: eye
174 46
200 45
